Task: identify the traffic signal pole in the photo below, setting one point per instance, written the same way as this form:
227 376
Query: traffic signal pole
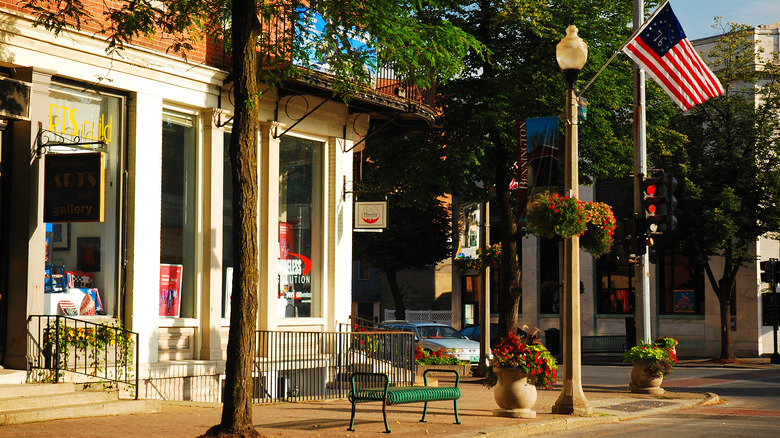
642 273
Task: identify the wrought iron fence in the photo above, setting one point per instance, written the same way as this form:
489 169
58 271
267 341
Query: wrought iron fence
300 366
440 316
61 348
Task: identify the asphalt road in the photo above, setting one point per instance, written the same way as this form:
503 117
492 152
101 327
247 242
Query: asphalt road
750 405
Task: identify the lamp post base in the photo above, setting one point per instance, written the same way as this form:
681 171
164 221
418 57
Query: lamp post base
572 402
775 359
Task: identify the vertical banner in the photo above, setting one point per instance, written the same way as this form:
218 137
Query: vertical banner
170 290
522 171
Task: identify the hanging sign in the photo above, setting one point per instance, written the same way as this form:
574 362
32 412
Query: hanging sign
370 216
74 188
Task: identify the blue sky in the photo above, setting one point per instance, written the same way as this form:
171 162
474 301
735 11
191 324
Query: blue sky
697 16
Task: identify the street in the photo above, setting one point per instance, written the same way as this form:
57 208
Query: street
750 404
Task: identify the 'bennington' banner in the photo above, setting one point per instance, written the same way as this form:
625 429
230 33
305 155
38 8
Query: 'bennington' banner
74 188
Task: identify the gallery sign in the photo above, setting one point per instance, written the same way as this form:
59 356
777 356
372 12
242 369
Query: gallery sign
74 188
370 216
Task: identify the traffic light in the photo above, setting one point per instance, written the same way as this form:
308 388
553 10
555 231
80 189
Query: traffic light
659 203
670 185
768 268
653 203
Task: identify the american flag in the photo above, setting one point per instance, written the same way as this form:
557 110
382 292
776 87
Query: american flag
662 49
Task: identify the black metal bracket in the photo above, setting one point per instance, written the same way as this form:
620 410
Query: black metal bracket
46 139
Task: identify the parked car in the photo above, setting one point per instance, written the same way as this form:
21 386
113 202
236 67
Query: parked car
433 336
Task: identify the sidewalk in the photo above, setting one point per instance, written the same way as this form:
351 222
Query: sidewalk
611 403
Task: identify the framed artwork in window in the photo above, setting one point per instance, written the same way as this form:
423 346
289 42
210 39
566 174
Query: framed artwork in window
88 256
60 236
684 301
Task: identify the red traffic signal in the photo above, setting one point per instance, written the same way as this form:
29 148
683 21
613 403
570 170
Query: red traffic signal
653 203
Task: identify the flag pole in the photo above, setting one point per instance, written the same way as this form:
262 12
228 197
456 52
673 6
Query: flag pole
642 288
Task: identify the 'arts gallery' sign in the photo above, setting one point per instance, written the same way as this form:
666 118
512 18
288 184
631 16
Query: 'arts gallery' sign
74 188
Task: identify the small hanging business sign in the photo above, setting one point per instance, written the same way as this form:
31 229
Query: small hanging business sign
74 188
370 216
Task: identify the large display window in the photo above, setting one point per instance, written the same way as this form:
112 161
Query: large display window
300 227
178 223
84 162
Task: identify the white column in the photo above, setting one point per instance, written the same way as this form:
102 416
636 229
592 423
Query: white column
143 222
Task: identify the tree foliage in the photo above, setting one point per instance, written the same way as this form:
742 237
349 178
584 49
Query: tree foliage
729 168
521 79
407 171
407 36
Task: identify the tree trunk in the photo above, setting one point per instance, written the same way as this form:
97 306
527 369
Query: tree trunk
511 286
237 407
392 279
722 289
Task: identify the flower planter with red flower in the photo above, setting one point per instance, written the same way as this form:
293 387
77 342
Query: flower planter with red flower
652 362
516 369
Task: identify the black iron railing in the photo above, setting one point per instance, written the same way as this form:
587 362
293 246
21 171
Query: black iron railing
62 348
300 366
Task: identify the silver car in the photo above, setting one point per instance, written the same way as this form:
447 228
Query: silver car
432 336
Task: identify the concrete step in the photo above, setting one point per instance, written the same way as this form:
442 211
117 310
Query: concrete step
35 389
45 401
117 407
29 403
12 377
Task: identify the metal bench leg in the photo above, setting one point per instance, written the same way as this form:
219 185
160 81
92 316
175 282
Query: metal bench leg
425 412
457 419
352 420
384 416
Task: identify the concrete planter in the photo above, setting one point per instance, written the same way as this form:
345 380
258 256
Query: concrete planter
463 370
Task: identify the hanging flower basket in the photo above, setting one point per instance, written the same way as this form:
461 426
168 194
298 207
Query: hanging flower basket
598 237
556 216
564 217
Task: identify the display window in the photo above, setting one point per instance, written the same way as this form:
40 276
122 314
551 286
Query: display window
84 147
300 227
178 223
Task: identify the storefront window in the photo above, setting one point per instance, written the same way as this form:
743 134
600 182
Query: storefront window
227 226
682 285
82 229
615 289
178 228
300 229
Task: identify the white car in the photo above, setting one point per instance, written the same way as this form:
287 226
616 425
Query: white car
432 336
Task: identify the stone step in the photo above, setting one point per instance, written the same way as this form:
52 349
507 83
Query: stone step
65 411
35 389
40 402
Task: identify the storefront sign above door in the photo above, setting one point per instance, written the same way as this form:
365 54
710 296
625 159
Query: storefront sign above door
74 188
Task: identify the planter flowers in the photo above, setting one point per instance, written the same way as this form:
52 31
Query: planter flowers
652 362
600 229
556 216
517 368
564 217
487 257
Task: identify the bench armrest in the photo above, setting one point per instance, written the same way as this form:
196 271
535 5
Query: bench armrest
382 376
457 375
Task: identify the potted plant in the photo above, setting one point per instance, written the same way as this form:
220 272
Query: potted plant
439 359
517 368
652 362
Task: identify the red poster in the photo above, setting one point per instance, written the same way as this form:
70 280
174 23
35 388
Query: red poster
170 290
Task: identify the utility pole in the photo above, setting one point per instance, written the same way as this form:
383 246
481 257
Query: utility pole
642 272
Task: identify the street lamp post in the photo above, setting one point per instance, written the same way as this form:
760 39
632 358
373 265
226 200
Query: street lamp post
571 52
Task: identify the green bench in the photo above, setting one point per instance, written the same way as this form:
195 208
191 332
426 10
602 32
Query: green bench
399 395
